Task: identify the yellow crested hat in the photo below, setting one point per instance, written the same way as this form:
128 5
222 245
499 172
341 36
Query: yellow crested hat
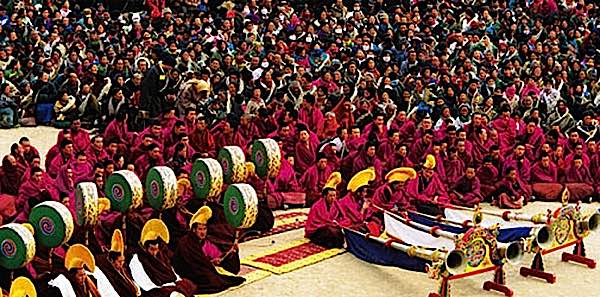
400 174
117 244
22 287
79 256
361 179
334 179
250 169
429 162
154 229
103 204
201 216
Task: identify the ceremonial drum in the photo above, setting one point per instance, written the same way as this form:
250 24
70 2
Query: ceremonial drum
233 161
124 189
17 246
161 188
207 178
52 222
86 204
240 205
266 157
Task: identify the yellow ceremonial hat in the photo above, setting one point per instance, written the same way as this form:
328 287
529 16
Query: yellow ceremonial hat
79 256
250 169
400 174
361 179
29 227
429 162
117 244
201 216
154 229
103 204
22 287
334 179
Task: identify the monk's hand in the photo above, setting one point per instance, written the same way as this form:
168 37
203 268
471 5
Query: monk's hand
204 155
216 261
435 199
366 205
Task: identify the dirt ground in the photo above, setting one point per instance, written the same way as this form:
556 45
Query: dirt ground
345 275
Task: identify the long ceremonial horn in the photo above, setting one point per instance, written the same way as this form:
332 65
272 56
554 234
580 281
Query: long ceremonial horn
539 218
512 252
590 223
453 260
543 236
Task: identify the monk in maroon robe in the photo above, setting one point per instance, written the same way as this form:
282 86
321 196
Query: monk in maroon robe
225 134
202 140
314 178
95 152
172 136
29 151
427 192
82 170
481 146
367 158
507 129
310 114
10 176
544 180
155 131
511 191
148 160
355 140
463 153
37 189
518 161
66 155
488 177
80 137
306 152
578 152
55 149
118 129
387 148
533 138
454 167
247 128
466 191
578 180
400 159
322 223
391 196
420 148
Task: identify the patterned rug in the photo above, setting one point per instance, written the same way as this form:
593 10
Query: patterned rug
251 275
291 256
284 222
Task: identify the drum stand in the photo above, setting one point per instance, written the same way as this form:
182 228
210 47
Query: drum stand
497 284
578 256
537 269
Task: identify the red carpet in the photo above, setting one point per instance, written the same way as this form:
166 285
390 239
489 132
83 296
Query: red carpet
291 256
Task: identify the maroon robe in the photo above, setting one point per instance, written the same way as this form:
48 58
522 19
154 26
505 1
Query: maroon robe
480 150
143 165
454 170
512 194
313 118
203 142
53 151
160 272
31 192
579 182
118 130
533 142
466 192
312 181
10 178
388 199
190 262
96 156
82 172
507 133
419 150
488 177
523 167
422 194
80 138
353 215
58 162
363 161
321 225
305 156
234 139
544 182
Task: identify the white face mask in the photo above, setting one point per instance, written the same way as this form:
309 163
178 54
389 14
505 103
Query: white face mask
264 11
338 31
370 56
309 39
264 64
386 59
365 47
208 30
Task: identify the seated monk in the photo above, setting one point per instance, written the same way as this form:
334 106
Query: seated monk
511 192
322 223
314 178
114 279
544 179
77 282
195 258
151 268
427 192
355 204
392 195
579 181
488 178
466 191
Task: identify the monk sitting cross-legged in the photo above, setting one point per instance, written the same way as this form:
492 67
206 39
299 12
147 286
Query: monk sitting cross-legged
321 225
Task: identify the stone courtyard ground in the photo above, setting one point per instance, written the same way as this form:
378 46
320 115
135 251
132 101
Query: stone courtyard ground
345 275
